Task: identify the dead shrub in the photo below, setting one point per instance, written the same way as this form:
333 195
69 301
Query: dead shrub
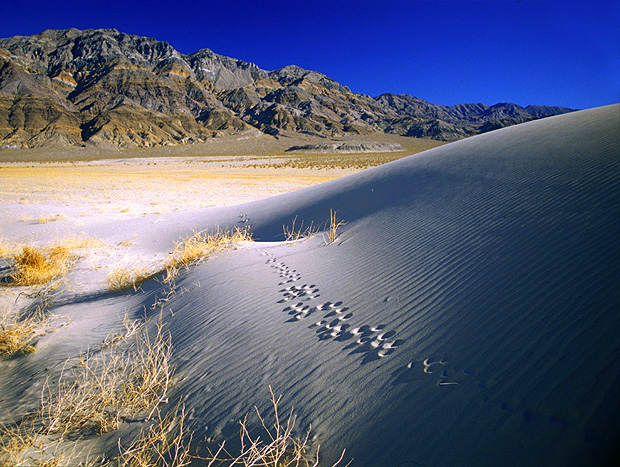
163 444
334 225
294 233
278 448
105 387
202 245
35 266
121 279
17 334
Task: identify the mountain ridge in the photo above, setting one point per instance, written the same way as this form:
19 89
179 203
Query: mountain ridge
102 87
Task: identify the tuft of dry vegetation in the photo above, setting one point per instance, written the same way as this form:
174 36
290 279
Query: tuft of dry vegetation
22 445
16 337
17 334
278 447
131 327
121 279
93 398
334 225
163 444
15 442
6 249
41 265
294 233
75 242
36 266
201 245
46 219
105 387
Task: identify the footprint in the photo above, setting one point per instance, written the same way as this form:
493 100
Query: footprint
374 341
386 335
431 366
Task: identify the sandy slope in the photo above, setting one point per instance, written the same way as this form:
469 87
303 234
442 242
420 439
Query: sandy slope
481 278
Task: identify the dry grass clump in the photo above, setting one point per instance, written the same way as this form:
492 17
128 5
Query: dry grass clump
74 242
21 445
279 448
36 266
17 335
121 279
6 249
334 225
294 234
46 219
132 326
15 443
164 444
186 252
94 398
105 387
202 245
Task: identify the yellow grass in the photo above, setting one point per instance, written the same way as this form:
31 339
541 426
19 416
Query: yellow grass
31 265
202 245
105 387
121 279
16 337
93 397
278 447
296 233
36 266
334 225
46 219
18 330
164 444
7 249
22 444
76 242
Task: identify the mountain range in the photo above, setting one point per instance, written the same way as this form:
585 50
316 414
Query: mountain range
105 88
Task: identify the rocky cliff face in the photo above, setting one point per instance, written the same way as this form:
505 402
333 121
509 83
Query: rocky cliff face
103 87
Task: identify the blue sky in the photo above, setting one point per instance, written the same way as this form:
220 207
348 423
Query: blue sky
444 51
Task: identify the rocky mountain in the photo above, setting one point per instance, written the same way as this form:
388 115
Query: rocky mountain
106 88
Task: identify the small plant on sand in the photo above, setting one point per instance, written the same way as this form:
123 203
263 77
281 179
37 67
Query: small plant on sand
296 233
35 266
22 444
6 249
17 334
75 242
16 441
334 225
16 337
202 245
163 444
121 279
131 328
279 448
94 397
46 219
105 387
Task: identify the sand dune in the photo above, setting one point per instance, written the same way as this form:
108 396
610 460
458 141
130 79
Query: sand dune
467 313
